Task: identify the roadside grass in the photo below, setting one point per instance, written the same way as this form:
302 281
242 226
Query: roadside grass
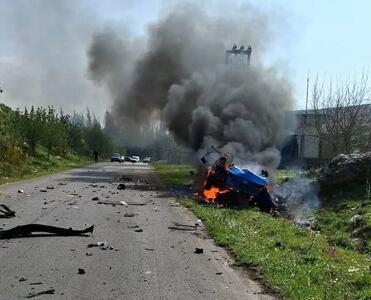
42 165
286 174
173 176
335 215
297 263
333 218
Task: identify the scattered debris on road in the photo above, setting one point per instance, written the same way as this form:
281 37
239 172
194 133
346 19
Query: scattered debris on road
126 178
133 226
143 181
199 250
184 227
129 215
7 212
27 230
135 203
81 271
47 292
110 202
101 245
198 223
121 186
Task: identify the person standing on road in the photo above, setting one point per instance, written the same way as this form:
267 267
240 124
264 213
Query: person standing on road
96 158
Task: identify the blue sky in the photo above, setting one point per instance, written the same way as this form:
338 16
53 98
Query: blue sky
329 38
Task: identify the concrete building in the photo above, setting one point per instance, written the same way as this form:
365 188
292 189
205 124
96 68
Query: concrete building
304 145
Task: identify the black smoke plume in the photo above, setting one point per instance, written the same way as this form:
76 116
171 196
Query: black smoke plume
180 78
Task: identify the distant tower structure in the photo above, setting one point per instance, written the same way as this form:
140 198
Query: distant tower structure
235 51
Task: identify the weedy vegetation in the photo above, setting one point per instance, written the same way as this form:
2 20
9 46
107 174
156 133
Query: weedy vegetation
297 263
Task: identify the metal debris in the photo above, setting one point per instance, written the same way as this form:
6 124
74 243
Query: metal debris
183 227
121 186
81 271
108 202
133 226
135 203
27 230
47 292
7 212
101 245
199 250
129 214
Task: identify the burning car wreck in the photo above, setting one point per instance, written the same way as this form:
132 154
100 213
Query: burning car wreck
225 184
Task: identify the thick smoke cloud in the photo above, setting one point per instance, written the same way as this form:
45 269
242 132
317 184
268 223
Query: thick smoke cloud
181 79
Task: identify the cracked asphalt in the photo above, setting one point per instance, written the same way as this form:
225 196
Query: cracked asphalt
147 260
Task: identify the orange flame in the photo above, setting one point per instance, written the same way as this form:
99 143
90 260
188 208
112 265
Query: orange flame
211 194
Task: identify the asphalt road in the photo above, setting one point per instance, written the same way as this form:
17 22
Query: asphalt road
157 263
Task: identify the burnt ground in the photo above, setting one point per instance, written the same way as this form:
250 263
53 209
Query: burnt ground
155 263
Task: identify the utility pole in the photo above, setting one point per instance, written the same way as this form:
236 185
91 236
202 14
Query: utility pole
304 123
306 100
246 53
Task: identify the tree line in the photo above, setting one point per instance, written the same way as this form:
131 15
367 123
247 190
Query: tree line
58 133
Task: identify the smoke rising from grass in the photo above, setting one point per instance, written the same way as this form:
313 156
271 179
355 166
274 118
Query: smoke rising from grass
301 197
181 79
